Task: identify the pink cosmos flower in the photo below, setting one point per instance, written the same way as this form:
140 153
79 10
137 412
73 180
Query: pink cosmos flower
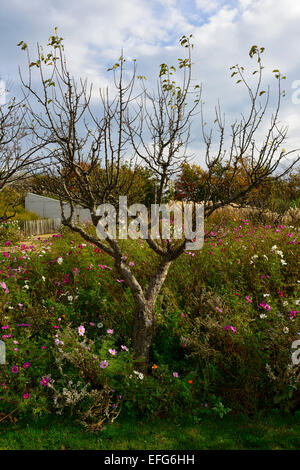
124 348
110 332
81 330
175 374
103 364
265 306
45 381
113 352
230 327
293 313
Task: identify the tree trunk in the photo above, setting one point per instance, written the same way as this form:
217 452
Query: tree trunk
143 335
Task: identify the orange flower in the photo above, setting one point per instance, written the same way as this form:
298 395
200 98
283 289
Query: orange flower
190 381
154 366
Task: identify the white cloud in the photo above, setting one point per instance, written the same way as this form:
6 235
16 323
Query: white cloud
223 32
208 6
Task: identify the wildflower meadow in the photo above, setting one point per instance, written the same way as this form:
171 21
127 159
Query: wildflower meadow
225 323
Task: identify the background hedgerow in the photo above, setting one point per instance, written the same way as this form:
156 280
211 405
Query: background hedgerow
226 319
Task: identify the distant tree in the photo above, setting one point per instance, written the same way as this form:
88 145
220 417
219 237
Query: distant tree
190 183
19 155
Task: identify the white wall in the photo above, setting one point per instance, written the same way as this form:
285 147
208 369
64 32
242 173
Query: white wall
49 208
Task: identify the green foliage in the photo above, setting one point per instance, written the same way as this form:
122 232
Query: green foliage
223 331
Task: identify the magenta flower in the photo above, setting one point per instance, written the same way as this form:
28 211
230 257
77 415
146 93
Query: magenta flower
265 306
26 396
15 369
293 313
230 327
26 365
45 381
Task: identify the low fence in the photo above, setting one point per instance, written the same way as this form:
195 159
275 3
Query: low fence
39 227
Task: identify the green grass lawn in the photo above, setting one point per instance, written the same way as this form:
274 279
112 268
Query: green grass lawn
272 432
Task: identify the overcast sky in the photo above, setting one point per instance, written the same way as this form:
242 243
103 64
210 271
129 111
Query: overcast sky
94 32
